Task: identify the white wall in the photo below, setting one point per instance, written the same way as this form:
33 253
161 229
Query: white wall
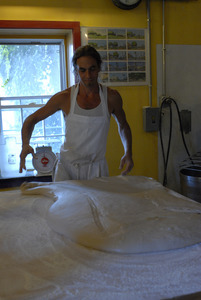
183 83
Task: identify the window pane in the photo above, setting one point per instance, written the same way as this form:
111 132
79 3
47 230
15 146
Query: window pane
29 70
54 131
39 129
10 102
53 124
11 120
28 111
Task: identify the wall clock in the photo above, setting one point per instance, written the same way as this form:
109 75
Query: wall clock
126 4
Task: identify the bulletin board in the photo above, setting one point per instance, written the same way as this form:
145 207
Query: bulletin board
123 52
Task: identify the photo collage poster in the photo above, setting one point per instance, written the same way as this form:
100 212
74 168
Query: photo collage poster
123 52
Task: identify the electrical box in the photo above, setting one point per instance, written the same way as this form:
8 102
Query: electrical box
151 116
185 115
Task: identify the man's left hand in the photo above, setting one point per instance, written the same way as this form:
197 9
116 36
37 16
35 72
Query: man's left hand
128 162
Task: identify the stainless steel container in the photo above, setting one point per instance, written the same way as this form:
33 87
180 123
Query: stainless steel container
190 181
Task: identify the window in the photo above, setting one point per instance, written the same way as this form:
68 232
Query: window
30 73
32 68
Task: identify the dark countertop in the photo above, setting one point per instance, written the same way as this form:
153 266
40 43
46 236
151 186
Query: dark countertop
17 181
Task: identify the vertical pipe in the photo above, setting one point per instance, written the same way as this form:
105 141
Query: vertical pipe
164 54
149 52
1 123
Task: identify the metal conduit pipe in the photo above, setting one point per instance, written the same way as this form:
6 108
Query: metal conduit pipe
164 54
149 51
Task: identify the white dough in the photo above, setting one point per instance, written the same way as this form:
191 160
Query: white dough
125 214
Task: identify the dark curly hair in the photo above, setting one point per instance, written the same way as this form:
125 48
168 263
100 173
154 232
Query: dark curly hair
86 51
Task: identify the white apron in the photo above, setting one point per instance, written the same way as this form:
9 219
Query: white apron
82 156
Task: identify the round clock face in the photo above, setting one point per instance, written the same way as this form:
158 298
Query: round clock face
44 161
126 4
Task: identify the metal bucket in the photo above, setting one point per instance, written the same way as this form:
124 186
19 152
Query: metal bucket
190 180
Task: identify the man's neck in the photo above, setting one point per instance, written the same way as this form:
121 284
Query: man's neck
88 90
88 98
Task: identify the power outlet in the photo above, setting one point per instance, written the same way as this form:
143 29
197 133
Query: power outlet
151 118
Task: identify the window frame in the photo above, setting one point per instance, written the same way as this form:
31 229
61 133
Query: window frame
5 25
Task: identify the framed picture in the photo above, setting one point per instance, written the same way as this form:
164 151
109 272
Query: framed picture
123 52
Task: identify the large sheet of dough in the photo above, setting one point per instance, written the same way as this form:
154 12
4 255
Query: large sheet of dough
130 214
38 263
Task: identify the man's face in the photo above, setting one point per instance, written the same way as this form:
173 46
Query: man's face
88 70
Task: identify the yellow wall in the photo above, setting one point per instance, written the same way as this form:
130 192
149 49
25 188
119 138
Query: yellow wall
183 25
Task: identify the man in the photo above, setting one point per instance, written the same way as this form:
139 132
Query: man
87 108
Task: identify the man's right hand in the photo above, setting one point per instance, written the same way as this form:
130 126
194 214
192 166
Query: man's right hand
26 149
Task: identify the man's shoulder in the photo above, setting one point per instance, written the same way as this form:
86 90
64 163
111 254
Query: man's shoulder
63 94
114 100
113 94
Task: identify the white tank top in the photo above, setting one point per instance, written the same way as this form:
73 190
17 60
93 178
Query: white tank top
86 136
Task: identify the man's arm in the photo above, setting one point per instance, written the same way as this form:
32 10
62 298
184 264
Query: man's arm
27 130
55 103
116 108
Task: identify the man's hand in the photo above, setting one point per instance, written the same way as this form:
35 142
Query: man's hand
128 162
26 149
